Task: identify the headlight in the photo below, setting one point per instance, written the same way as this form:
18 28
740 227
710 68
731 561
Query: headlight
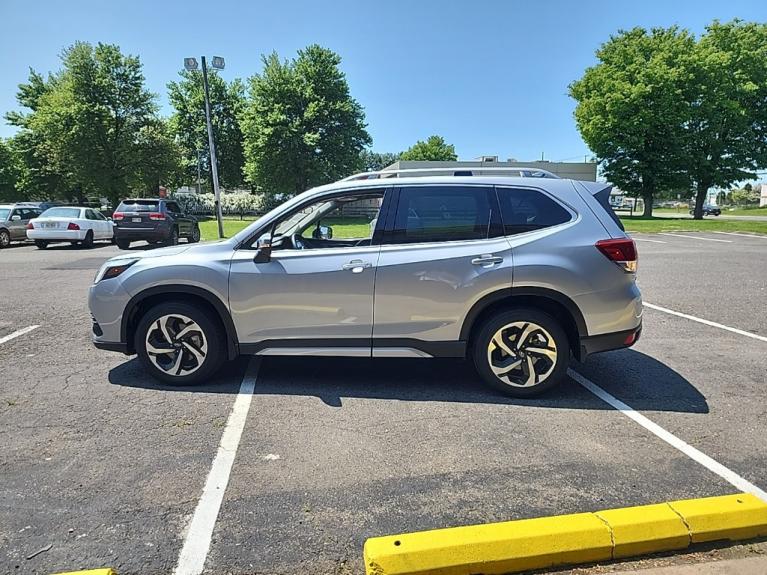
112 269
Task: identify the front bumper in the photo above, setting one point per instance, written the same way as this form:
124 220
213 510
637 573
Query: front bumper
107 300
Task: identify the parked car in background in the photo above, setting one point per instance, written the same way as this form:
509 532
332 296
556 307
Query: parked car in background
154 221
13 221
709 210
73 224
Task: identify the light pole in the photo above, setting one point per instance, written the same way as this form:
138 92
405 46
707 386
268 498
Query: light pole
218 64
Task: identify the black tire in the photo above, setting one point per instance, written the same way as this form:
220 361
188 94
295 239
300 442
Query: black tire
5 239
551 337
210 328
173 238
41 244
123 244
194 237
88 241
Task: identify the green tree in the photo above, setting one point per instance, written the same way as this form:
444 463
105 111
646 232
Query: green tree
630 113
726 131
301 126
188 125
159 159
376 161
433 149
9 173
40 175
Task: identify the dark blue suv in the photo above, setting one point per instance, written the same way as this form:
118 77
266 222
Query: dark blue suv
158 221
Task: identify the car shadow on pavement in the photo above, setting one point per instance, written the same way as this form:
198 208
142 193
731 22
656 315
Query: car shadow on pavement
638 379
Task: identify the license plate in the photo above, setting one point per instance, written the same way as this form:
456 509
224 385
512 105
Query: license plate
50 225
137 220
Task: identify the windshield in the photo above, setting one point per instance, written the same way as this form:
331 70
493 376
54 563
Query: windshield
4 213
139 206
61 213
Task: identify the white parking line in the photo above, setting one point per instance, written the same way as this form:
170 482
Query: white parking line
191 560
694 237
17 333
742 235
705 321
712 465
647 240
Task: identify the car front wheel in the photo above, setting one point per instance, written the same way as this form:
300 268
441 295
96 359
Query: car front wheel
521 352
179 343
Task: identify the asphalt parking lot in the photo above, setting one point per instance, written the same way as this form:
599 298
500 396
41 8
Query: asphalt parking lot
100 465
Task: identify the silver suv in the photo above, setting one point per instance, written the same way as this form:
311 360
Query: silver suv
515 272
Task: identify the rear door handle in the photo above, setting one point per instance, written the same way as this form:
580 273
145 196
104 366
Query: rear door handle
487 260
356 266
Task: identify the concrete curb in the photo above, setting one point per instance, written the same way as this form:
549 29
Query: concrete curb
528 544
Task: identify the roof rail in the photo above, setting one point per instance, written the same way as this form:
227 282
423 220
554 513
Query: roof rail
516 172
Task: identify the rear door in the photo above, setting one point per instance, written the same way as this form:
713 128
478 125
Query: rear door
17 224
443 250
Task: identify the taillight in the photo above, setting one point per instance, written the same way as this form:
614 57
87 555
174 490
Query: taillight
73 226
118 216
622 251
156 216
30 226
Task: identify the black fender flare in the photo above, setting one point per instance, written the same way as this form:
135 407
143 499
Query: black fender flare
170 289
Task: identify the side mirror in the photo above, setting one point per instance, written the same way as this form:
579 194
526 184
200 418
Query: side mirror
322 233
15 218
263 250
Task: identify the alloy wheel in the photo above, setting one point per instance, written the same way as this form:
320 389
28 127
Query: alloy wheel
522 354
5 239
176 345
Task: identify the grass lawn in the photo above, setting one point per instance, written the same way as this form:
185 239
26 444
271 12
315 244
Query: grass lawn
654 225
342 228
746 212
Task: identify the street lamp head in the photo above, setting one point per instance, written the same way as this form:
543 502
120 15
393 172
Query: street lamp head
190 64
217 63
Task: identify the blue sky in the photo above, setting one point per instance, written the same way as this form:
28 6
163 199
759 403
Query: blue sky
491 77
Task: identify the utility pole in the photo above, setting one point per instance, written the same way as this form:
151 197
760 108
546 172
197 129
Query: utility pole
218 64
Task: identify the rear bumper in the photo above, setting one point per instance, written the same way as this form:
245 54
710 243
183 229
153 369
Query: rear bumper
57 235
609 341
136 234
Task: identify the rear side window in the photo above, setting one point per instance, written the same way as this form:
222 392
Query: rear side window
172 207
139 206
527 210
442 213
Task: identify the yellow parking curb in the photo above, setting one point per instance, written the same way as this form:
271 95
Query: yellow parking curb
104 571
527 544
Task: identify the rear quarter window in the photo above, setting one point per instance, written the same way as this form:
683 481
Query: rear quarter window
525 210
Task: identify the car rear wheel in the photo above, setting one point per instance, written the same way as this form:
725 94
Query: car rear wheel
5 239
41 244
521 352
88 241
194 237
179 343
123 244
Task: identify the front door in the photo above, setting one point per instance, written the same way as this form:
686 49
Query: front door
315 294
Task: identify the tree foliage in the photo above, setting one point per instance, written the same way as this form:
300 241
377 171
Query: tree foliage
664 111
630 111
433 149
9 172
376 161
301 126
188 125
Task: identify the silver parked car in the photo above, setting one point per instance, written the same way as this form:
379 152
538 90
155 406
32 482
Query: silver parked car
14 219
517 273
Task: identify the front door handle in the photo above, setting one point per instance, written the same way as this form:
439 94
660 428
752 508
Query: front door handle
487 260
356 266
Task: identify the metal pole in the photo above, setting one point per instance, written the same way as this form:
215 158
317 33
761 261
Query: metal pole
212 146
199 171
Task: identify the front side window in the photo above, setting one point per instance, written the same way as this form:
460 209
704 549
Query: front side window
442 213
340 221
526 210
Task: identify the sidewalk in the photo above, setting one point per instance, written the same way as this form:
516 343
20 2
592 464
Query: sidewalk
748 566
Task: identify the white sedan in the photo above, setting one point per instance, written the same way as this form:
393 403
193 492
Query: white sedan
70 224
